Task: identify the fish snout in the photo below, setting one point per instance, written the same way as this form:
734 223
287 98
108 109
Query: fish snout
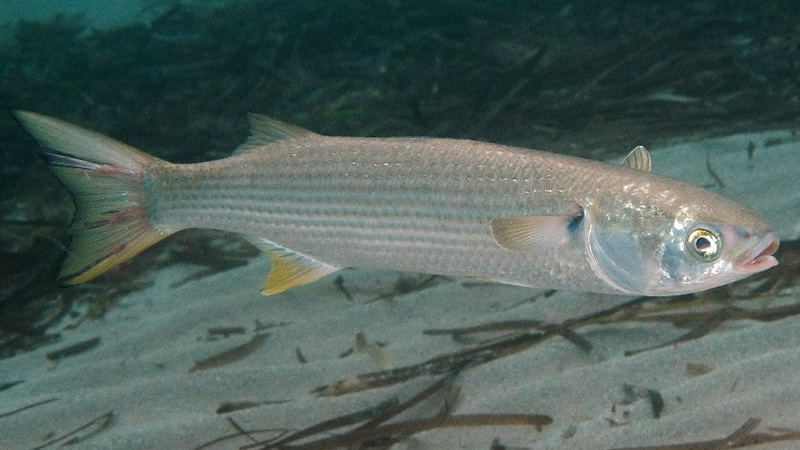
760 257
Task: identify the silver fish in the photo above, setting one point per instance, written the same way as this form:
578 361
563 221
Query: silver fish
461 208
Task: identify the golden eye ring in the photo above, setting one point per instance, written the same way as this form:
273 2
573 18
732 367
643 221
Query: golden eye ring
705 244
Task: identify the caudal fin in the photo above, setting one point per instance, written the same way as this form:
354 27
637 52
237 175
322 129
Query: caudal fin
111 223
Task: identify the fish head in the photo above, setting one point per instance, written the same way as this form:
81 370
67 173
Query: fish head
677 241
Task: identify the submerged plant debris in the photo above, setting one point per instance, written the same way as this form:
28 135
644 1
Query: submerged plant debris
74 349
379 427
81 433
743 437
231 355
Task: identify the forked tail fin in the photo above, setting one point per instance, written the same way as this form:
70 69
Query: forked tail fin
105 177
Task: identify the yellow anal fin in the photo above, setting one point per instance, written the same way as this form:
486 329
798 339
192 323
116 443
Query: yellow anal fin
290 269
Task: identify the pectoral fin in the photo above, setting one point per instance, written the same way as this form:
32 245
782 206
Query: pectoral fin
530 233
290 269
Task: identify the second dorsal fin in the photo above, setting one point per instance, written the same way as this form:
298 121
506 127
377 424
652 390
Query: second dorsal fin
265 130
638 158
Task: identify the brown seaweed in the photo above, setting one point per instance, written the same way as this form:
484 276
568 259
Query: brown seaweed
27 407
448 363
74 349
224 332
232 355
229 407
744 436
82 432
370 428
9 384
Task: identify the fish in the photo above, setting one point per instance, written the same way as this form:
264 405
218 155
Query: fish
459 208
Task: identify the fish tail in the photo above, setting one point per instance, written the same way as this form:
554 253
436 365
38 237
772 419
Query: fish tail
106 180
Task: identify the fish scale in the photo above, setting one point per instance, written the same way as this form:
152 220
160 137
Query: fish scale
316 204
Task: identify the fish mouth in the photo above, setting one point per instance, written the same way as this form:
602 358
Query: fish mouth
760 258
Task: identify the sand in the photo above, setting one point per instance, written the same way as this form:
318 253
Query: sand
138 378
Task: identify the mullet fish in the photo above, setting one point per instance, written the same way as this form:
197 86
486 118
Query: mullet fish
316 204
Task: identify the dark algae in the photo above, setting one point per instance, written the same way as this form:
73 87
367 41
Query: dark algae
74 349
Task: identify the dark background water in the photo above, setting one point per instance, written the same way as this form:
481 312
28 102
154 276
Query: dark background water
592 78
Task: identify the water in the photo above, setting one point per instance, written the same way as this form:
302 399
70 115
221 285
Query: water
176 79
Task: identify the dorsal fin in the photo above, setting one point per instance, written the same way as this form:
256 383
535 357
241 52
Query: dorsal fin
265 130
638 158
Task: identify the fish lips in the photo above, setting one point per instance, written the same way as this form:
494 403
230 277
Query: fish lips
761 256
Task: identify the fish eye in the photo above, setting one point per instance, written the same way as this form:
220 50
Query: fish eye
705 244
